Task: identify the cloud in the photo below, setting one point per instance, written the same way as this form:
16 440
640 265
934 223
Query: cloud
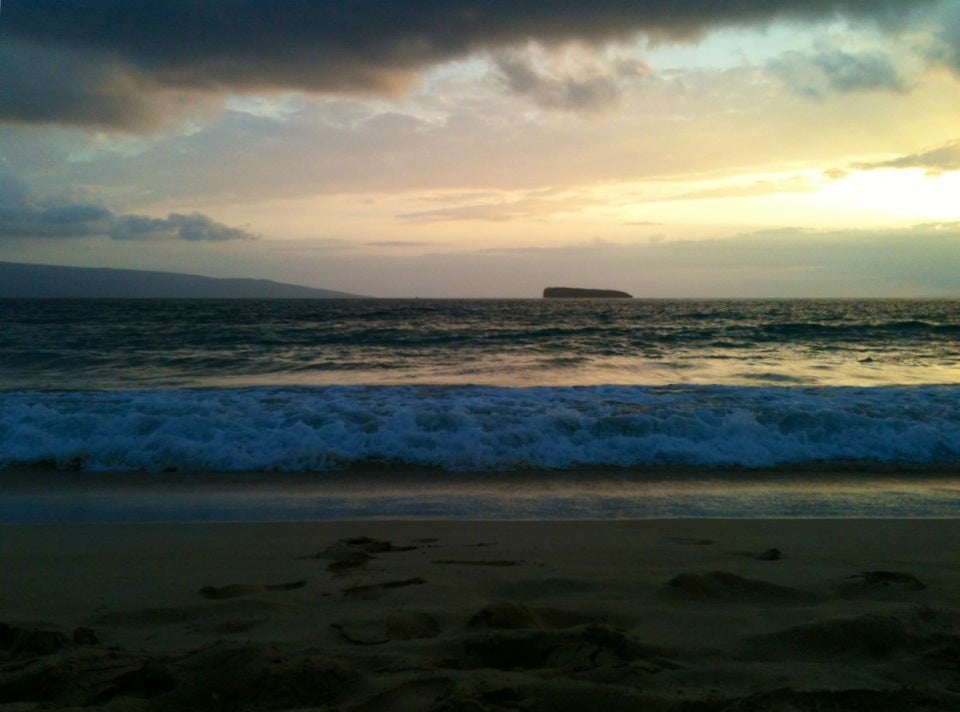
586 86
23 216
934 161
548 203
838 72
194 227
49 83
945 49
791 184
123 64
537 204
490 212
399 244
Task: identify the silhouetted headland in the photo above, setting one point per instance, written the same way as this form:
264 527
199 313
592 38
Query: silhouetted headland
19 280
575 293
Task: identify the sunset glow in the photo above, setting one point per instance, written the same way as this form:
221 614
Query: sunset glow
488 152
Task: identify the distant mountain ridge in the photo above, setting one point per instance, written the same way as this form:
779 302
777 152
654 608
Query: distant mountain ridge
22 280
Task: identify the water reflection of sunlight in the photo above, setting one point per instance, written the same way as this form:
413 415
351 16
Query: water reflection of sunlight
588 495
838 370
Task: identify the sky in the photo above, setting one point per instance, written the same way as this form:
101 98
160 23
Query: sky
461 148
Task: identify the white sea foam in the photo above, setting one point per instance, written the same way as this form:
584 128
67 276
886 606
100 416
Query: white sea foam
477 428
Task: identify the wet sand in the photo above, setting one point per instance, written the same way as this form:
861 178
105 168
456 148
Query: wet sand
692 614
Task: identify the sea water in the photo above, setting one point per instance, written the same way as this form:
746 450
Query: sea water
479 408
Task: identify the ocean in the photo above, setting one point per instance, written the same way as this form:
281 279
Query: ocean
313 409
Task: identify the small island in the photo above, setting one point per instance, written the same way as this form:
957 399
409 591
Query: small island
575 293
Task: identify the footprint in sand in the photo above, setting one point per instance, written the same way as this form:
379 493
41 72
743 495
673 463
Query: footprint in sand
478 562
239 589
255 675
772 554
871 636
722 586
508 615
690 541
375 590
355 552
878 584
396 625
573 649
892 578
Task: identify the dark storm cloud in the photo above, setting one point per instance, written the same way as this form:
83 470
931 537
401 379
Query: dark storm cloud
103 62
933 161
22 216
50 83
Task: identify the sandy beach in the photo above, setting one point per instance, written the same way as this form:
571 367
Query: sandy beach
694 614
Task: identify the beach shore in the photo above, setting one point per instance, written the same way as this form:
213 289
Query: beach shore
671 614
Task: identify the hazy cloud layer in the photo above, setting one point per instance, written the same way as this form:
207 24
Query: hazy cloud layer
934 161
792 184
118 63
528 205
542 204
23 216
